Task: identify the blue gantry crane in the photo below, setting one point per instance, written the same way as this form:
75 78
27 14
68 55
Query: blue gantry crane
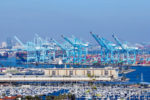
127 51
38 50
43 51
110 49
104 48
79 49
67 51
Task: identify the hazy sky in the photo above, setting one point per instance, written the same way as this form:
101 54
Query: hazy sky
129 19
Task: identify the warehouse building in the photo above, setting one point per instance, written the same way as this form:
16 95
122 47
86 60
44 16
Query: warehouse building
107 73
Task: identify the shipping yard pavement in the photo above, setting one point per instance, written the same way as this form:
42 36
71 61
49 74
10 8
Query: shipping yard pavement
88 91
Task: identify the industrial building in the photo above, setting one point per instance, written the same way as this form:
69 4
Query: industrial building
107 73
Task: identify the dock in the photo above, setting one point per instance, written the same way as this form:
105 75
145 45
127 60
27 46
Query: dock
50 79
128 71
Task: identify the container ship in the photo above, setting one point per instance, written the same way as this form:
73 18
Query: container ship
21 57
4 55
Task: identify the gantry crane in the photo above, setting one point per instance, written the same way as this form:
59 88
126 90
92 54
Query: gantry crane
79 49
126 49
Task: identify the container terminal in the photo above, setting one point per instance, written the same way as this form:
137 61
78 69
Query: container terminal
74 55
73 66
75 51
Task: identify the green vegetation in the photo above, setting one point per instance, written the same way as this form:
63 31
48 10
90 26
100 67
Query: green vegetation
12 71
89 75
94 88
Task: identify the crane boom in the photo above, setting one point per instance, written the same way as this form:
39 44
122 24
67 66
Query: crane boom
18 40
118 42
60 45
104 42
97 39
68 40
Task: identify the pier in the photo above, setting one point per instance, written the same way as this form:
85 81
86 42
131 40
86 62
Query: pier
50 79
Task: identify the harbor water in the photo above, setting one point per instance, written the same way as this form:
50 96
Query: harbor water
134 76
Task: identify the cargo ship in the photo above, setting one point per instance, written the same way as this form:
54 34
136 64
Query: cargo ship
21 57
4 55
